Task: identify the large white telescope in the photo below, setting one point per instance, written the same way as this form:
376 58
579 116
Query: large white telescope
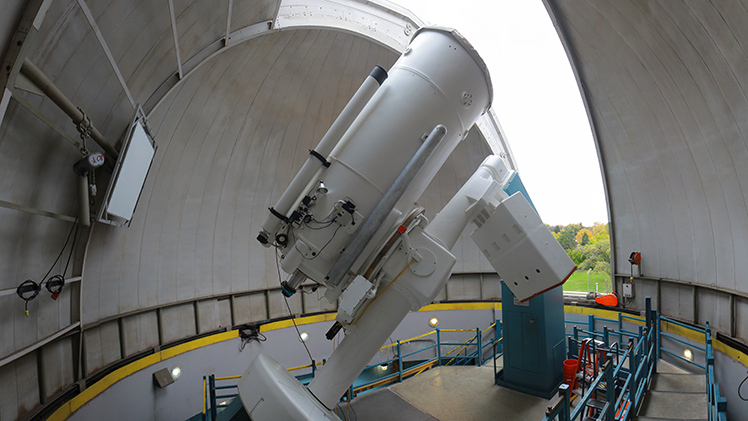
349 219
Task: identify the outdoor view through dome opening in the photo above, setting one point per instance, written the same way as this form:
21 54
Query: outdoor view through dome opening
542 87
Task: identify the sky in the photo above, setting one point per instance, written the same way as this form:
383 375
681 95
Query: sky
536 99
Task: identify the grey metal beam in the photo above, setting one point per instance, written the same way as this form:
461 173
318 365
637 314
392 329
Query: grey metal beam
19 46
695 296
121 328
53 92
227 40
46 120
676 281
732 316
36 345
35 211
105 47
231 307
176 38
159 325
196 310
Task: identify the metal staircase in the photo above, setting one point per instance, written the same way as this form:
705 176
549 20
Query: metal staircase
675 394
632 382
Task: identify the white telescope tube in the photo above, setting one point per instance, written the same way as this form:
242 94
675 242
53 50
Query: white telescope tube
361 343
318 157
374 221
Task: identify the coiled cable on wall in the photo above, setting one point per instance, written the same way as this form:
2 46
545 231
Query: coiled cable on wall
29 289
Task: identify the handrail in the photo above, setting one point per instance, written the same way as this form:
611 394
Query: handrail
289 369
635 369
681 324
626 372
210 387
717 404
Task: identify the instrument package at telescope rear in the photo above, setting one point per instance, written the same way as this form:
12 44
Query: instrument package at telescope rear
522 249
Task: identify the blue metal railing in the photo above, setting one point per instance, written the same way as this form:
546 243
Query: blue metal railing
717 404
461 353
465 352
624 375
628 381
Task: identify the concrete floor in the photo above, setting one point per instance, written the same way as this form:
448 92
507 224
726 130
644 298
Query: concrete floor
469 394
449 393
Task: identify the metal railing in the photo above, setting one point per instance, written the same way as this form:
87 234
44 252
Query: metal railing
461 353
210 390
621 372
717 404
627 381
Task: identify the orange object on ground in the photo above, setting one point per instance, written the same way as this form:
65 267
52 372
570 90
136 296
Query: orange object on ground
609 300
570 371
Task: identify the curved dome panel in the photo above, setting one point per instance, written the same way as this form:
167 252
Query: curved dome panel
663 88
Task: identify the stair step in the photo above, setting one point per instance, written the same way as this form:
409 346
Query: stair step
685 383
665 367
674 406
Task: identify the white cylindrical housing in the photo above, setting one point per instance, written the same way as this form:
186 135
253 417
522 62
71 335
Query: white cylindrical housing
490 177
325 146
361 343
439 79
84 213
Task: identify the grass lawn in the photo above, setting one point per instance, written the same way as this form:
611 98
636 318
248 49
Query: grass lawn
578 282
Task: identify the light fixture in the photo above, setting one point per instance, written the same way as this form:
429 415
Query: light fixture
434 322
163 378
176 372
688 354
383 367
303 336
321 188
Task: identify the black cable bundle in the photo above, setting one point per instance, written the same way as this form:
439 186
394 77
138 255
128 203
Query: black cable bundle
28 290
23 290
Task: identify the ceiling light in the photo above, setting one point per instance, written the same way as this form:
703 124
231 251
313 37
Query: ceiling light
688 354
303 336
434 322
176 372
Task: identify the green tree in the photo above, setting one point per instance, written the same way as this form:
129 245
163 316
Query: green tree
597 257
567 236
583 237
576 255
600 232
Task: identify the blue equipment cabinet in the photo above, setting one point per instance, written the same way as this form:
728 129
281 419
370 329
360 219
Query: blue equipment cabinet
534 345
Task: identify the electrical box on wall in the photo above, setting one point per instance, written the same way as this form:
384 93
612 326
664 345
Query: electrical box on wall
628 290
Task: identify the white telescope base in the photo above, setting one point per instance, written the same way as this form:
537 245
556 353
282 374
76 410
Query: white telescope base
274 394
